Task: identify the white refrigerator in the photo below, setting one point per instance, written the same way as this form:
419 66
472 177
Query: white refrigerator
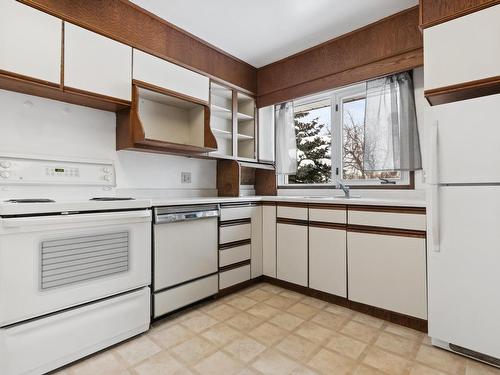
464 228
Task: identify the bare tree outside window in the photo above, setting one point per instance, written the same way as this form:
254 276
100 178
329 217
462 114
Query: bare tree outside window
354 144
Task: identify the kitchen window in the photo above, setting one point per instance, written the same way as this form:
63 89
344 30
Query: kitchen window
331 145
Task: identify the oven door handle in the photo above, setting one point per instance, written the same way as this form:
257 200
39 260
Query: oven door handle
17 222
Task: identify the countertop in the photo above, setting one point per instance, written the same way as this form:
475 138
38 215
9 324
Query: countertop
325 200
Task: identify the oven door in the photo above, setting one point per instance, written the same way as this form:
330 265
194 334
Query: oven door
50 263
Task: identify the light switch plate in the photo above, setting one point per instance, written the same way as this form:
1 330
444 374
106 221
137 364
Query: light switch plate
185 177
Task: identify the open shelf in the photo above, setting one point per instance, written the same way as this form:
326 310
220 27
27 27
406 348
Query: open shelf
233 120
233 176
164 122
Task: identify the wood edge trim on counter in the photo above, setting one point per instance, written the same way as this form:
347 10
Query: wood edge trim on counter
232 245
387 315
292 204
167 92
327 206
283 220
388 209
436 21
239 204
234 266
268 203
463 91
386 231
327 225
230 223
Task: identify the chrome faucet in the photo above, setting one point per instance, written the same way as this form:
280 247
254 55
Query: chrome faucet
345 189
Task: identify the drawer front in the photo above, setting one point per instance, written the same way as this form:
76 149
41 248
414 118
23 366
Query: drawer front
89 325
388 272
175 298
234 255
233 233
388 219
236 213
158 72
338 216
298 213
234 276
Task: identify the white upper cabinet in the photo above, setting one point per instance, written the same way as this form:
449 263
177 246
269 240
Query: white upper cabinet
266 134
462 50
96 64
158 72
30 42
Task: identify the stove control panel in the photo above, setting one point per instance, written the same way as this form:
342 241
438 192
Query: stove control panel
16 170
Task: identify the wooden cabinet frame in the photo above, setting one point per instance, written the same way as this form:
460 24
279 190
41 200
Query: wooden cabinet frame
130 132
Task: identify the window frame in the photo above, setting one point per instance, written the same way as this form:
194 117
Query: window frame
337 97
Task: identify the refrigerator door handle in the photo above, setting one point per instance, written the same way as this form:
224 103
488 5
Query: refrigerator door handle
434 198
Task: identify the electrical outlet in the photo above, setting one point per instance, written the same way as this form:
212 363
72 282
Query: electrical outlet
186 177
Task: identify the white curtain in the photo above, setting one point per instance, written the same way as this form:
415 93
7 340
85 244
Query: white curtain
391 141
286 143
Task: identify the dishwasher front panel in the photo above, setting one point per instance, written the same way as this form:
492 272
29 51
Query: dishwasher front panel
184 251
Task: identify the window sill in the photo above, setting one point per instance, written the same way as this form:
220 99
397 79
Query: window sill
406 186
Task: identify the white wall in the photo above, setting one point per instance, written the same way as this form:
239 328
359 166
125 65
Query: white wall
37 126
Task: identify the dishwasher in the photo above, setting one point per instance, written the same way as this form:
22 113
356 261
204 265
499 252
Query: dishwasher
185 256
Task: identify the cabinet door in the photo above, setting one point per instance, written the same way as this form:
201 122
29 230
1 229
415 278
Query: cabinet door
327 260
266 134
292 253
158 72
269 240
462 50
96 64
256 241
388 271
30 42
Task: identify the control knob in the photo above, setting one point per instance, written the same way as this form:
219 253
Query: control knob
5 164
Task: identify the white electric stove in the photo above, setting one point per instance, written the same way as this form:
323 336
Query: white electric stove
74 271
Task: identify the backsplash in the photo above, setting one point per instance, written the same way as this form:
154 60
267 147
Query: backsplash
36 126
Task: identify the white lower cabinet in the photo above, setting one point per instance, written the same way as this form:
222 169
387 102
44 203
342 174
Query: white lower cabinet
292 253
327 260
256 256
388 271
269 240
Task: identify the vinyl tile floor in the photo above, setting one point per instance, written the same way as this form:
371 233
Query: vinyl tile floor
265 329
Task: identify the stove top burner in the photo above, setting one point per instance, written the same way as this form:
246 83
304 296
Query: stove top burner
31 200
105 199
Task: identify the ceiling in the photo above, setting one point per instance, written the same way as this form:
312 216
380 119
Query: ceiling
263 31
